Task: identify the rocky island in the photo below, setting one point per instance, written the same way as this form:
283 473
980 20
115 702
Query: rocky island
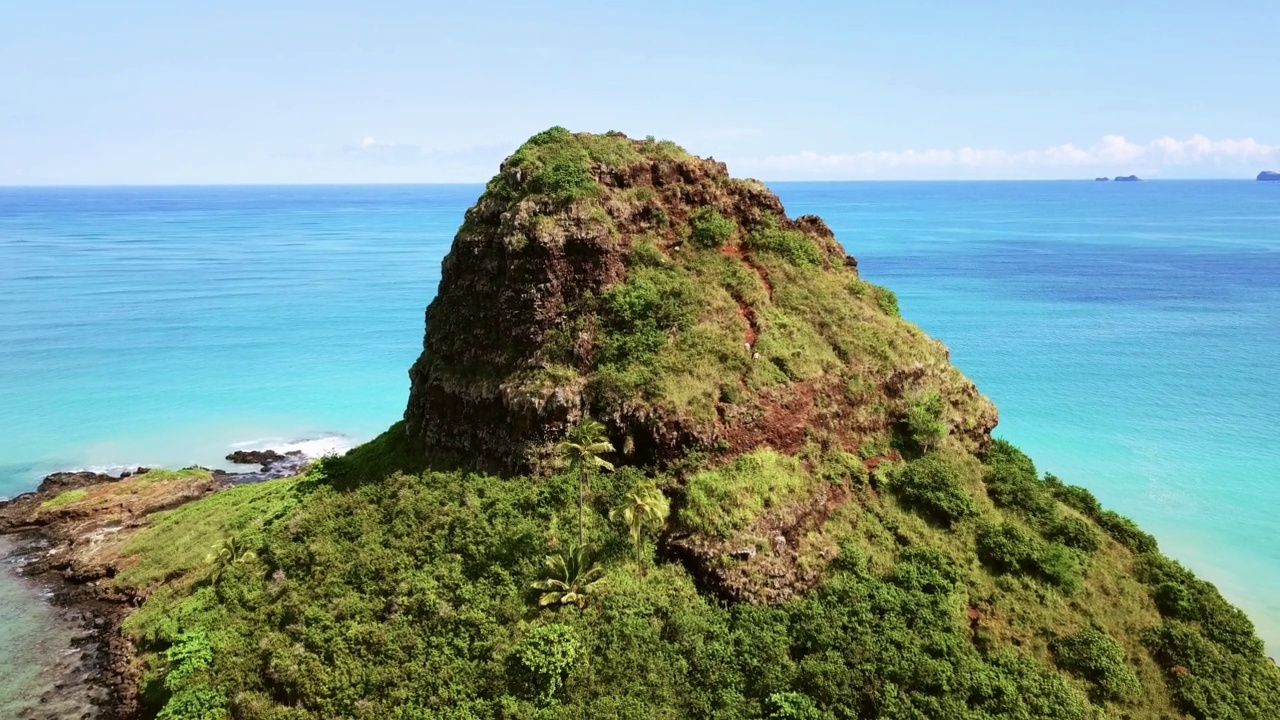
666 454
1267 175
1128 178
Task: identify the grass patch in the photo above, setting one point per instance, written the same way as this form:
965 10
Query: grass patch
793 246
729 498
176 542
65 498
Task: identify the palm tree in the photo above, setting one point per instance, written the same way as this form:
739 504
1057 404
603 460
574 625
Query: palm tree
581 451
227 552
644 508
574 575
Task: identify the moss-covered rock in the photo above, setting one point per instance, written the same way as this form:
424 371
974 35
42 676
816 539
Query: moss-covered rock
679 305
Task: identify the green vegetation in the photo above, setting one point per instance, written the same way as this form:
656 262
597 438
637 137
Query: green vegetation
1094 656
65 498
775 582
925 421
709 229
227 552
793 246
932 487
645 509
581 452
1010 548
572 577
413 594
559 164
722 501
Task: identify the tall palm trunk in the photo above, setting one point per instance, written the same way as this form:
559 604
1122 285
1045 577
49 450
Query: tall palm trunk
582 500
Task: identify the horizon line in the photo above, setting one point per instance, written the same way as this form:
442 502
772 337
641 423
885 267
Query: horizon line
14 186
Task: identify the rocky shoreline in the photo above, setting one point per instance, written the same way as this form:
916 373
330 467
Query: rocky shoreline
57 550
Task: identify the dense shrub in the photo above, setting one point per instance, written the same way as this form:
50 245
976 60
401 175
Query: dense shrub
925 419
548 653
1210 682
1012 481
1126 532
1011 549
642 313
709 229
1073 496
1096 657
793 246
931 486
885 300
1008 548
793 706
1073 532
1180 595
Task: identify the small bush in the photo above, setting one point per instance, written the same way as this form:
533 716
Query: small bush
793 706
645 253
1126 532
1073 532
1096 657
1180 595
1012 481
709 229
931 486
924 419
1011 549
1007 548
1073 496
793 246
1058 566
885 300
642 313
196 703
548 653
926 570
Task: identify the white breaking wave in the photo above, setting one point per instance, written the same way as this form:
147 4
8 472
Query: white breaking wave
317 447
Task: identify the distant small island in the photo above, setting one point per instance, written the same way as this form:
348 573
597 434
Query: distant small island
1102 179
1128 178
1268 176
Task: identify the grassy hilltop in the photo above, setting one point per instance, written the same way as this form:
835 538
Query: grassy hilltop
807 517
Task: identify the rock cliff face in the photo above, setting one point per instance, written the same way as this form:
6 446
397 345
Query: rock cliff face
634 282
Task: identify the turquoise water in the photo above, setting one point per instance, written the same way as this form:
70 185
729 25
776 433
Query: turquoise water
1130 334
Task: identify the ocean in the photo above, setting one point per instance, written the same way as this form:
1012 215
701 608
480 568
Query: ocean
1129 333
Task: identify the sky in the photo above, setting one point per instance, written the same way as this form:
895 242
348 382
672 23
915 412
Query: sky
182 92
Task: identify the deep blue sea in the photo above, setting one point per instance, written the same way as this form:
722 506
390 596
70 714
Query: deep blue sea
1129 333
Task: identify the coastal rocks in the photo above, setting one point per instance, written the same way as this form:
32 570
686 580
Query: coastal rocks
1268 176
271 464
1128 178
68 536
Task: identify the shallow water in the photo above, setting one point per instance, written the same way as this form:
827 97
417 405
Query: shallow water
36 646
1130 334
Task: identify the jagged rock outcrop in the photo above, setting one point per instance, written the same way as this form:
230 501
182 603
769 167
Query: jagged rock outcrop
634 282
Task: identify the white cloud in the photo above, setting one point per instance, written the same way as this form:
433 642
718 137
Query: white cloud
1113 153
